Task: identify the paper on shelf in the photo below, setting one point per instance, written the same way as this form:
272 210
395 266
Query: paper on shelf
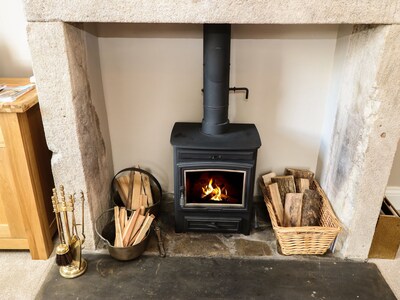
11 93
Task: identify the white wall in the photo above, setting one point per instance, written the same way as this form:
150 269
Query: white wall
394 179
15 59
152 77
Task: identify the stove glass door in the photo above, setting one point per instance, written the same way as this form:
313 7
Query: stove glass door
214 187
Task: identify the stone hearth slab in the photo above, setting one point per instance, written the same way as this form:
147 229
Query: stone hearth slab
190 278
260 243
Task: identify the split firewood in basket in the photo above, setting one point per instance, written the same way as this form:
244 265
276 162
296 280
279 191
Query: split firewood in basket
126 235
130 191
292 213
147 189
136 229
143 201
118 231
285 184
267 178
311 208
137 188
143 230
122 217
300 173
302 184
275 197
122 185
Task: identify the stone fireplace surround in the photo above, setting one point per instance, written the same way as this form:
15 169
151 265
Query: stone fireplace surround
354 170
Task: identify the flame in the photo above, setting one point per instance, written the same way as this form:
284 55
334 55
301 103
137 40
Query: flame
217 194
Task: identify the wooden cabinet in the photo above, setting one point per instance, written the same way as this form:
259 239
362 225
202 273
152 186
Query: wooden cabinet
26 217
386 240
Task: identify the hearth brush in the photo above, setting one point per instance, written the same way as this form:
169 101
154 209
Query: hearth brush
63 254
78 265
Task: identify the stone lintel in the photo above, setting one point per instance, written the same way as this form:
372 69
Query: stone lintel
365 134
215 11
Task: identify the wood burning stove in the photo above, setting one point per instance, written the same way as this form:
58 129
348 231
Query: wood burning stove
214 161
222 164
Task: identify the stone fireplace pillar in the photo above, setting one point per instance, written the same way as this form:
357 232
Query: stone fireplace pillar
365 135
71 124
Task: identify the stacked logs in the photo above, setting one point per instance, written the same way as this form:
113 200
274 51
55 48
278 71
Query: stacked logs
294 200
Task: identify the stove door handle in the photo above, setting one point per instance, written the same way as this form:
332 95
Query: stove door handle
182 199
212 225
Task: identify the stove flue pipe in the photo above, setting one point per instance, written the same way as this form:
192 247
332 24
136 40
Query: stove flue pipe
216 59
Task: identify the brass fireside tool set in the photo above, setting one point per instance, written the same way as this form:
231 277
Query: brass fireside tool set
69 251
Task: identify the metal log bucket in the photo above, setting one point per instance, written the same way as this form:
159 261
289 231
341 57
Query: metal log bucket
107 235
154 185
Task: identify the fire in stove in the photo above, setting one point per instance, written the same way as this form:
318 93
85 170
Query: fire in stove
214 187
214 192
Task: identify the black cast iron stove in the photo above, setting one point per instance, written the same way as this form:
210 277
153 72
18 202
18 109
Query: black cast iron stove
214 161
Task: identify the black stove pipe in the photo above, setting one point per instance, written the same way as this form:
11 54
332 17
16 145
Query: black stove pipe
216 59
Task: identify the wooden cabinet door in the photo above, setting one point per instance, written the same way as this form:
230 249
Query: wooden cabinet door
12 230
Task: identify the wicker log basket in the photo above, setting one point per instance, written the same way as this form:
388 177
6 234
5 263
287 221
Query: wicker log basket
310 240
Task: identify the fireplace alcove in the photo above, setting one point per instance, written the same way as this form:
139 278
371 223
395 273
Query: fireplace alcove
357 146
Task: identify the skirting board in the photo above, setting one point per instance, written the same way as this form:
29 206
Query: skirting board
393 194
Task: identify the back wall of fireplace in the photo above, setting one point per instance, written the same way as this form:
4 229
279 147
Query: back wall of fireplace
152 78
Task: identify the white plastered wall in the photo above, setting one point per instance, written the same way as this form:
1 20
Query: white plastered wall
15 58
152 77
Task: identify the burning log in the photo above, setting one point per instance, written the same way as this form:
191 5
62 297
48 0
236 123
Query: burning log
214 192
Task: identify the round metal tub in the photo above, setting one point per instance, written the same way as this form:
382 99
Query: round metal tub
107 235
